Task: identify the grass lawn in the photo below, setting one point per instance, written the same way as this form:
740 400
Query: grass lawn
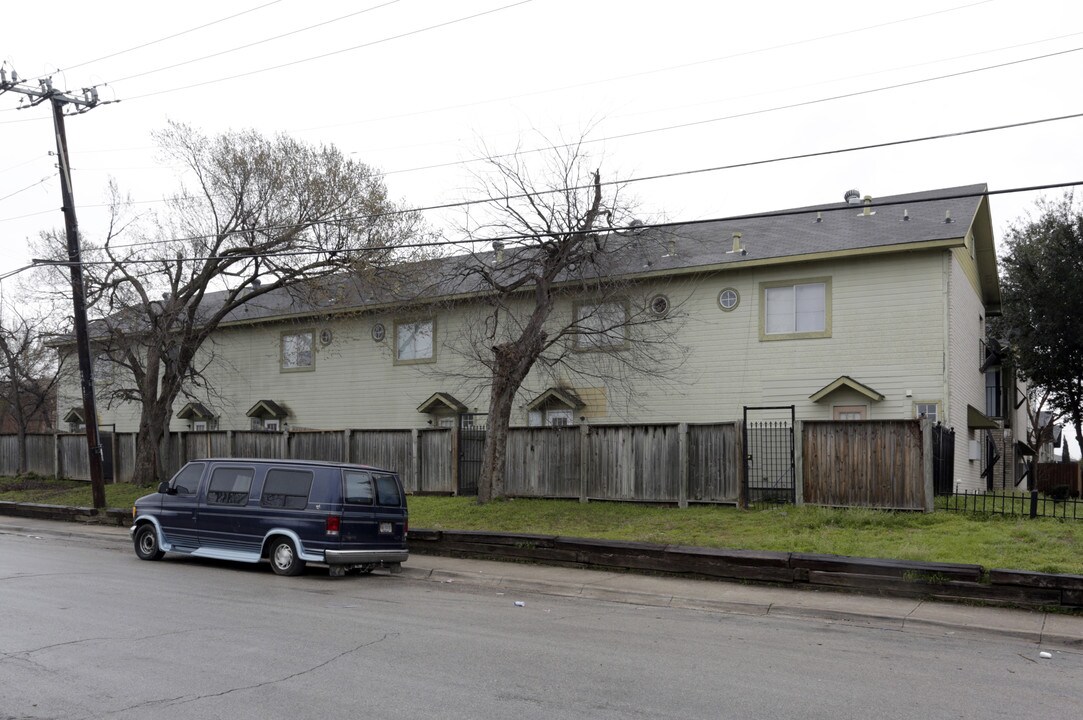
1044 545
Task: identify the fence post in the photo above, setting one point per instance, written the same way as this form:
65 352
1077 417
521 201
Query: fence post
927 462
415 452
584 431
456 438
56 455
230 451
798 462
346 445
742 466
682 445
1033 504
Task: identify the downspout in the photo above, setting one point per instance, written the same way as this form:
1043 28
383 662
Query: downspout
949 418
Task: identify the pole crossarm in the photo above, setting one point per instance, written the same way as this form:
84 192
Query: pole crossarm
87 100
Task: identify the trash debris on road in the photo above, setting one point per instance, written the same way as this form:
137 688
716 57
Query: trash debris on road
1045 655
520 603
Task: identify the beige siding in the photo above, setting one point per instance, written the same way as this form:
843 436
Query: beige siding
967 383
887 332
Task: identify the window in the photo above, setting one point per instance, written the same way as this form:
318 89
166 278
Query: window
297 350
603 325
928 410
795 310
553 417
387 490
850 412
414 341
186 482
199 426
358 488
286 489
271 425
728 299
229 486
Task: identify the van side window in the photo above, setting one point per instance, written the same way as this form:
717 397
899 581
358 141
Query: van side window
358 488
229 486
186 482
286 489
387 490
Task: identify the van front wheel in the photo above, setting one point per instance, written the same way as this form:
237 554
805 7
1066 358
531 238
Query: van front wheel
146 543
284 560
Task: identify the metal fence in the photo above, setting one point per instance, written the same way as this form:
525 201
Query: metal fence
1013 504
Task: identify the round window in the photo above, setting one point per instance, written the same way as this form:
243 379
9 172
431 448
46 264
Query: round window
378 332
728 299
659 305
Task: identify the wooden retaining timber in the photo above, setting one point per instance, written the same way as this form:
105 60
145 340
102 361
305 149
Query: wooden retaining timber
900 578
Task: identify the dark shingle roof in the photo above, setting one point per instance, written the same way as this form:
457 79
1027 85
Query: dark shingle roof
771 236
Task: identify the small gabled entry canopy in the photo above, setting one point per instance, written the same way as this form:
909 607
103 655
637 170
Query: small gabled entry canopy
845 382
977 420
75 415
267 409
441 402
195 411
556 397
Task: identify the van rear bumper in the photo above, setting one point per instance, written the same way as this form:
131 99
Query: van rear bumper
360 557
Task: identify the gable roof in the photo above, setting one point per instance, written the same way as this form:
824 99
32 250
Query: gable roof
845 382
814 232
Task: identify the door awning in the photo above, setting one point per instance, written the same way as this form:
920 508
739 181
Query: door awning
845 382
977 420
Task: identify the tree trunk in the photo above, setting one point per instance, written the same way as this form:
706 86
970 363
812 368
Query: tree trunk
147 447
491 482
21 430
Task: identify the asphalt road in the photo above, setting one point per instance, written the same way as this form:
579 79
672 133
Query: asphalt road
89 631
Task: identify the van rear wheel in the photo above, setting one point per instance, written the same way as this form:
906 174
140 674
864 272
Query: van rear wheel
284 559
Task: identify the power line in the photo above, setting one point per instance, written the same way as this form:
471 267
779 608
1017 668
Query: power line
629 181
28 187
534 236
655 71
750 113
170 37
334 52
253 44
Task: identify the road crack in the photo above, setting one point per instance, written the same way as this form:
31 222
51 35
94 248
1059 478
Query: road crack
185 699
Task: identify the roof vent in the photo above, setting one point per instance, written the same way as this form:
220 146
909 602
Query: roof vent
947 216
852 197
868 206
737 249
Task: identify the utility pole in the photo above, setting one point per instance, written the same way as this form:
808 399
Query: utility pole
58 100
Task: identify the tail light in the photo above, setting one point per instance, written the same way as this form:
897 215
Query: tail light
334 524
405 527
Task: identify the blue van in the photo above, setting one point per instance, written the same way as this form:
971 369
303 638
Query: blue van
290 512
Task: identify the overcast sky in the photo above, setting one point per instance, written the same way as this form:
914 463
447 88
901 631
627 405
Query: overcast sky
414 87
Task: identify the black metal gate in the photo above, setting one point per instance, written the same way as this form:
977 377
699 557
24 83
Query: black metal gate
472 430
943 460
769 475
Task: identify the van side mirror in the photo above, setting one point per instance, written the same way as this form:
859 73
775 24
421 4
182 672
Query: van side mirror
163 487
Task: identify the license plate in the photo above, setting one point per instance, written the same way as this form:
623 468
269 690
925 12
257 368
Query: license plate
385 528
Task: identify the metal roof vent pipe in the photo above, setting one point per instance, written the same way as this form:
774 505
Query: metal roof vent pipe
737 249
852 197
868 206
498 250
906 215
947 216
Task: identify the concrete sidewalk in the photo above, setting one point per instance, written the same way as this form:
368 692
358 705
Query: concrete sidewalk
1044 629
1048 630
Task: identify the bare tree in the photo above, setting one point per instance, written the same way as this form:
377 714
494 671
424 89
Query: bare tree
554 290
259 216
29 373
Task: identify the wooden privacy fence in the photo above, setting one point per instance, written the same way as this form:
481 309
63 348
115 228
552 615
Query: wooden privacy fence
855 463
873 463
1061 478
